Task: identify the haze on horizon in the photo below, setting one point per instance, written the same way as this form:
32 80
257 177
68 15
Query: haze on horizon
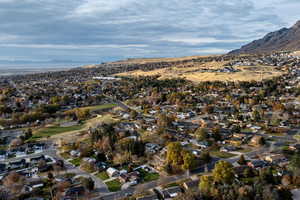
104 30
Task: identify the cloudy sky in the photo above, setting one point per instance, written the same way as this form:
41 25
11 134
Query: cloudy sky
102 30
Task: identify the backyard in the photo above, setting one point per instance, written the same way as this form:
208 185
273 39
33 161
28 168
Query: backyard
114 185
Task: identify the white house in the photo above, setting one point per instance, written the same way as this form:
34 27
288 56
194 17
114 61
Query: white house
112 172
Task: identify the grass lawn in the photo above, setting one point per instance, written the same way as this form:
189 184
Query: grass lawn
220 154
114 185
100 107
65 155
3 147
76 161
103 176
245 150
146 176
171 185
247 130
54 130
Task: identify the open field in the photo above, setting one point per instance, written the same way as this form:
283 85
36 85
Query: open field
100 107
96 108
153 60
68 133
54 130
206 72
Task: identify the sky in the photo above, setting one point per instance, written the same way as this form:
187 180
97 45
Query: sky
96 31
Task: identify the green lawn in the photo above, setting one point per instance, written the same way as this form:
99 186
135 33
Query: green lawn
114 185
76 161
171 185
3 147
244 150
65 155
100 107
103 176
54 130
220 154
146 176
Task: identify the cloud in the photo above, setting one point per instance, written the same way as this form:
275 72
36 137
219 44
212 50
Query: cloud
65 46
212 51
111 30
199 41
91 7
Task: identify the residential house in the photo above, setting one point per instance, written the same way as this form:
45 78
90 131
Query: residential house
191 185
171 192
33 184
16 164
130 177
257 164
75 191
112 172
275 158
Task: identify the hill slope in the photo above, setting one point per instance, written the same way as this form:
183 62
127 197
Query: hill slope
285 39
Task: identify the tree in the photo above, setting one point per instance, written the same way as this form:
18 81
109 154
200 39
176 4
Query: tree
133 114
242 160
28 134
205 157
88 183
174 156
14 182
295 163
15 143
216 133
122 158
223 172
206 184
201 134
188 160
164 121
266 175
248 173
256 115
4 195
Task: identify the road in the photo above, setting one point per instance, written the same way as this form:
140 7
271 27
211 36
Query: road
51 151
142 187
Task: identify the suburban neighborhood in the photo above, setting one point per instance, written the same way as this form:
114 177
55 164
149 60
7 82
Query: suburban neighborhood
89 133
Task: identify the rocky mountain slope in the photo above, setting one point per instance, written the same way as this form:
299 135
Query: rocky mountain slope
285 39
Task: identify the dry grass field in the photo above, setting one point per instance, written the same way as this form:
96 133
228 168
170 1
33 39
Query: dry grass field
200 72
153 60
296 53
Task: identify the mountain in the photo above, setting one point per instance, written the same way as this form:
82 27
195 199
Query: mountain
285 39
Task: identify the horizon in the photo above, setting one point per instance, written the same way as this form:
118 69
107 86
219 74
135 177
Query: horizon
96 31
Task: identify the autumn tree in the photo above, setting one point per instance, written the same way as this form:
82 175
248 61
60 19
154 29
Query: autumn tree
223 172
88 183
242 160
206 184
188 160
174 157
14 182
164 121
201 134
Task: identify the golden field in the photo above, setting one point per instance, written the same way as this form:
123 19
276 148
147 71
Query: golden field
192 72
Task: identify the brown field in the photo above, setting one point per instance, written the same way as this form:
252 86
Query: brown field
153 60
193 73
296 53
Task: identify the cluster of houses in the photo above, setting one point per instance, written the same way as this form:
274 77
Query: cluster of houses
243 116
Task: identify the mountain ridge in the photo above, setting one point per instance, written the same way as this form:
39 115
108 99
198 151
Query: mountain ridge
285 39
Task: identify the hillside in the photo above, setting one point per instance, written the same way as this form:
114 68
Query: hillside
285 39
